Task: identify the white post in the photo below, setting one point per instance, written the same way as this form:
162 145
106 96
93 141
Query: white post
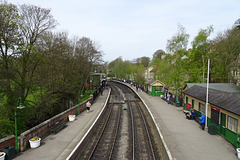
207 93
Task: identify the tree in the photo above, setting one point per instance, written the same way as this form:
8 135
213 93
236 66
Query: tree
139 75
20 29
45 69
145 61
158 54
178 42
10 24
35 22
237 23
200 46
54 78
164 68
89 51
225 55
177 45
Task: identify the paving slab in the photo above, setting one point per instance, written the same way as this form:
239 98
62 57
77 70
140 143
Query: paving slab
58 146
184 138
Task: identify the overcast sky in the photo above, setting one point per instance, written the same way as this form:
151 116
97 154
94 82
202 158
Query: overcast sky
135 28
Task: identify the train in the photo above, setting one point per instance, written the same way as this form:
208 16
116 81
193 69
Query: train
98 80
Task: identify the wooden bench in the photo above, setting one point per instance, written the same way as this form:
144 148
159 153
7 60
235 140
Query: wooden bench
57 126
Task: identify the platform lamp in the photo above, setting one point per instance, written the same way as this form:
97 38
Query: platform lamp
79 103
18 107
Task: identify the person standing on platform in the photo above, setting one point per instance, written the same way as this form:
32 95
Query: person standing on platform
202 120
88 106
168 98
101 91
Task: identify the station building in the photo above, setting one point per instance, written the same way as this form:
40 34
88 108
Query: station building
155 88
223 110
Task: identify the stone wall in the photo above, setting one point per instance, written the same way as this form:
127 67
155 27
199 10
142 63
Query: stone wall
42 130
7 141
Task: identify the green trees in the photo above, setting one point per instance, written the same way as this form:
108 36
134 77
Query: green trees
9 39
47 70
177 46
180 65
121 68
225 56
128 70
200 48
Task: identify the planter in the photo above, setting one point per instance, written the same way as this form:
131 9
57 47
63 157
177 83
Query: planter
238 152
71 117
2 155
35 142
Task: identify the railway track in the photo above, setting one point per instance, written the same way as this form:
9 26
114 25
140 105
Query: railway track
103 149
142 145
124 132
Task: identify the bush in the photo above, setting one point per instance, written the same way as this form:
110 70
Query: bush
87 95
6 128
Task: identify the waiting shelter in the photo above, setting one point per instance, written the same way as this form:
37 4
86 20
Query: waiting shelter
155 88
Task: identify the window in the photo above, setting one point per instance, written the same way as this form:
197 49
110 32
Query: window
232 124
159 88
201 108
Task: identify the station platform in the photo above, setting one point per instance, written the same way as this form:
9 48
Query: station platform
184 138
58 146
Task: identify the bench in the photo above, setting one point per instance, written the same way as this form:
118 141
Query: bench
57 126
197 117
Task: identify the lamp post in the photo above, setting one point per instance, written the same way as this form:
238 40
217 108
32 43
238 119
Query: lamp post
79 103
18 107
207 94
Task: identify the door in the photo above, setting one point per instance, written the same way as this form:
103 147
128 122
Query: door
153 90
192 103
223 124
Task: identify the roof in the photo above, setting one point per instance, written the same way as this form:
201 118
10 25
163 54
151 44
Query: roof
148 67
225 87
154 81
150 82
224 100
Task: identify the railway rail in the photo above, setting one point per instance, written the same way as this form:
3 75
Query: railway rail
103 149
124 132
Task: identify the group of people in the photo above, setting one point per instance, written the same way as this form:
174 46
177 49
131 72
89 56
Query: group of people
193 115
